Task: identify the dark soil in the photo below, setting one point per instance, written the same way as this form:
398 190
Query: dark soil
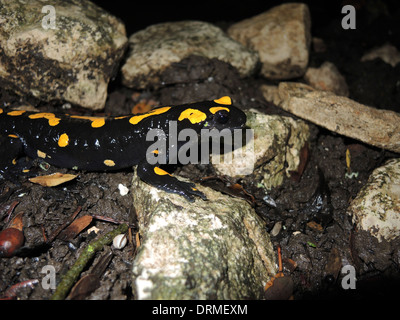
318 254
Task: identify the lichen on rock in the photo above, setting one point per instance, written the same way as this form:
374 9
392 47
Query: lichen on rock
376 209
73 61
214 249
273 152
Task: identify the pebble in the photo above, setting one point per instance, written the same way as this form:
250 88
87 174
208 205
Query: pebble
388 53
119 242
328 78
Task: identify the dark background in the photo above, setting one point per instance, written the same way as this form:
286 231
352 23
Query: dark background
138 14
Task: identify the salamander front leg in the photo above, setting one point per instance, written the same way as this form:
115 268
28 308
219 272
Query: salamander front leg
10 166
162 180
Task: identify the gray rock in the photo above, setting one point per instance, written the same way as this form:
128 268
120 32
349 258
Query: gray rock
376 209
214 249
328 78
339 114
72 62
272 153
388 53
282 38
155 48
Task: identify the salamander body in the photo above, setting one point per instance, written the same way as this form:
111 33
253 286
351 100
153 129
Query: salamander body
100 144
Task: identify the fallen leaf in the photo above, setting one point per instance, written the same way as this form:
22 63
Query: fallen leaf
315 226
282 289
290 264
334 263
53 180
75 228
17 222
143 106
90 282
304 157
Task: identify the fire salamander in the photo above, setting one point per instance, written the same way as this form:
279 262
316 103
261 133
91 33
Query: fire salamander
100 144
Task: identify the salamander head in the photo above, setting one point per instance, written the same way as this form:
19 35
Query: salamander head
217 114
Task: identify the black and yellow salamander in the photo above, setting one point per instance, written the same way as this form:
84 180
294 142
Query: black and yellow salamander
100 144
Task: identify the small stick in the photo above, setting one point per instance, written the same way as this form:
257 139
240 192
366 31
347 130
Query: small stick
72 275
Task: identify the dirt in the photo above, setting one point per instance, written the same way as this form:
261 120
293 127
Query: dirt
315 243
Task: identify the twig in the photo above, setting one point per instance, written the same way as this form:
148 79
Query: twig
72 275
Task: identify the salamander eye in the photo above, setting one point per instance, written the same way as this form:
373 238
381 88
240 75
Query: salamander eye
222 116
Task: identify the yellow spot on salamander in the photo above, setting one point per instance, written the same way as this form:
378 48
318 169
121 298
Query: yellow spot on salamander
216 109
193 115
41 154
224 100
13 136
137 119
109 163
53 120
14 161
97 122
63 140
16 112
160 171
1 110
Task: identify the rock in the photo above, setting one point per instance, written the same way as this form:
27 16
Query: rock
376 127
282 38
214 249
73 62
271 94
158 46
327 78
274 151
387 53
376 208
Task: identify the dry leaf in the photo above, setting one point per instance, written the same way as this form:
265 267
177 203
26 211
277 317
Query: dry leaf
315 226
53 180
75 228
334 263
17 222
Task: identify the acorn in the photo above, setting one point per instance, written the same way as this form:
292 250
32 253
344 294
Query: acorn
12 238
